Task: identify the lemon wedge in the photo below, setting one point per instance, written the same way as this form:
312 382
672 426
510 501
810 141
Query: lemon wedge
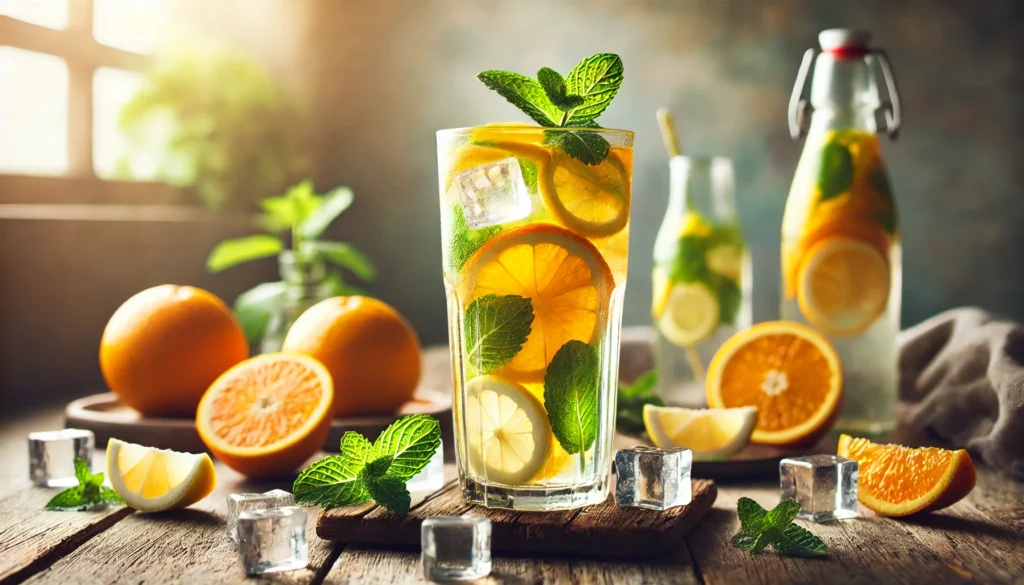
151 480
714 433
689 314
507 430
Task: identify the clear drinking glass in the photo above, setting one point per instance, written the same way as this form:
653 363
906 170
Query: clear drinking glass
534 249
702 276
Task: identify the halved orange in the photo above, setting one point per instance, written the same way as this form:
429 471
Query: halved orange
788 371
561 273
591 200
267 415
899 481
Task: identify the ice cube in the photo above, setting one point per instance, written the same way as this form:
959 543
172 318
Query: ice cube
238 503
431 478
51 456
493 194
456 548
272 540
824 485
656 479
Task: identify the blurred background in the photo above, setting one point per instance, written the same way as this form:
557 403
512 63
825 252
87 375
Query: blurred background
136 134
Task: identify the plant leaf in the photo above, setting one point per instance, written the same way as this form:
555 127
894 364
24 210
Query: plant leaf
554 87
797 541
411 441
744 541
331 206
83 471
331 482
570 395
729 296
344 255
357 447
596 79
529 169
466 241
751 515
835 175
376 468
588 147
523 93
496 329
71 499
232 252
109 496
289 210
643 385
783 514
390 492
254 307
335 286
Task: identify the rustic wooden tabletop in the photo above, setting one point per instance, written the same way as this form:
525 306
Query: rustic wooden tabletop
979 540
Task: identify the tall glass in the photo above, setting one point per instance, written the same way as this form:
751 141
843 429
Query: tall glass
534 250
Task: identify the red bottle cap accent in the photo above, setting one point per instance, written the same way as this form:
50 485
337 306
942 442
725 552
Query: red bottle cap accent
845 42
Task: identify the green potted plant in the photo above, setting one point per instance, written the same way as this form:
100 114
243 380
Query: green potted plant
311 268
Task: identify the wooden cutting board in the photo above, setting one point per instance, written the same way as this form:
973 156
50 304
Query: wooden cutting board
602 530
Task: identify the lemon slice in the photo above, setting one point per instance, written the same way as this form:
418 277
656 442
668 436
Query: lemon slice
507 430
690 314
151 480
843 286
591 200
710 433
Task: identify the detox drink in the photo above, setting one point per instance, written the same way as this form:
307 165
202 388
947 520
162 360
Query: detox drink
701 279
534 257
841 254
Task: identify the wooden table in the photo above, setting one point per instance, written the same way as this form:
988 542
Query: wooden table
979 540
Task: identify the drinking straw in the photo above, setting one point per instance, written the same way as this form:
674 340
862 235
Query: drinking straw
674 149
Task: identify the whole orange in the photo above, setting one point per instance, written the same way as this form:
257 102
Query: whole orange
164 346
370 350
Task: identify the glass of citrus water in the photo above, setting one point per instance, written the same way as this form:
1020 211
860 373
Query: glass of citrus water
534 249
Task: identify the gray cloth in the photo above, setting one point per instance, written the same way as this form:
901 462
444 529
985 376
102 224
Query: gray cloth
963 372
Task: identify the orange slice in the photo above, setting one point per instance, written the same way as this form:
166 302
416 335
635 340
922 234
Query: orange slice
561 273
267 415
788 371
843 286
899 481
591 200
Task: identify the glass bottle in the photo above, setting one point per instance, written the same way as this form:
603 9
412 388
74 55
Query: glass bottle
841 256
702 276
303 278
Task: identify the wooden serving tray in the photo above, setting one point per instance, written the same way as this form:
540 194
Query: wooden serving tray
107 417
602 530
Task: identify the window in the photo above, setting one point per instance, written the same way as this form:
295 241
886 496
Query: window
66 68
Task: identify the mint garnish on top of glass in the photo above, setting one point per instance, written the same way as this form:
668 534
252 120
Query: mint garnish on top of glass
574 101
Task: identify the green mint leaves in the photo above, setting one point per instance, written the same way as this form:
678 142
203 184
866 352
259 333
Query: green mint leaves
571 396
89 493
496 328
760 528
691 264
574 101
835 175
377 471
632 397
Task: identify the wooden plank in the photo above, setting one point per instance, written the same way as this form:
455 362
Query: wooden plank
182 546
956 545
604 529
366 566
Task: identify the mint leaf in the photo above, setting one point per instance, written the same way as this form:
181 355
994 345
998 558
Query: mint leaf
782 514
69 500
570 395
89 493
328 208
331 482
643 386
530 170
797 541
596 79
410 442
357 447
744 541
629 416
344 255
390 492
729 296
254 307
466 241
109 496
588 147
376 468
879 183
496 329
523 93
554 87
835 175
238 250
760 528
689 264
83 471
751 515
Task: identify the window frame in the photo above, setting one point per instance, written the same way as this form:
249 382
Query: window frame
83 55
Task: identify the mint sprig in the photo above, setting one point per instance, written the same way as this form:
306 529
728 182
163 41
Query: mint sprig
760 528
496 329
377 471
574 101
89 493
571 396
632 397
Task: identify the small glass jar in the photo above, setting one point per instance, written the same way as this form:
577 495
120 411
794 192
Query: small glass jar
303 277
702 276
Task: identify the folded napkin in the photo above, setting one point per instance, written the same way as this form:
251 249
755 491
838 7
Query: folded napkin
963 372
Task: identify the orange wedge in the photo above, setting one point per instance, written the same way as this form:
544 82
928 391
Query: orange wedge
789 372
561 273
267 415
899 481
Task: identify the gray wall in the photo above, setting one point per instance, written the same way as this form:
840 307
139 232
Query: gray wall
380 77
